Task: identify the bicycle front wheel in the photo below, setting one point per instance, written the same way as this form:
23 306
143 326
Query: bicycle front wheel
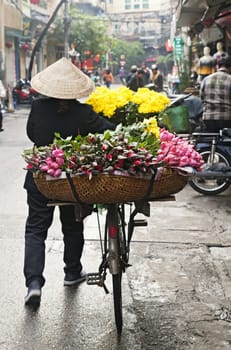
117 296
117 258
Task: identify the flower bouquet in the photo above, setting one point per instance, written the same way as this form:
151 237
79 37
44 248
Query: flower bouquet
113 167
125 106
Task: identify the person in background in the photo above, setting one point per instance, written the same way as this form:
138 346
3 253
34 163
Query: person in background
96 78
157 78
147 74
108 78
2 97
136 80
58 110
133 70
215 93
122 75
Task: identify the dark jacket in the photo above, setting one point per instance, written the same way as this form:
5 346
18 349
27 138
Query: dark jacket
44 120
135 82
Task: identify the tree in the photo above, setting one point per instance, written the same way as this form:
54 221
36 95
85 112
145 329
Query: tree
91 34
133 51
86 33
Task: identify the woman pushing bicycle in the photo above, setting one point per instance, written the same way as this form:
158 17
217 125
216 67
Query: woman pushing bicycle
57 110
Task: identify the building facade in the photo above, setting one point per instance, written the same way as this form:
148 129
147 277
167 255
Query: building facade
147 21
21 22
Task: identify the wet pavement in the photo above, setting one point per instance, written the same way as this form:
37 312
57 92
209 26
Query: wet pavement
176 294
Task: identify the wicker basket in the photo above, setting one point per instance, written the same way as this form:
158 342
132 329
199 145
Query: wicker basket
108 188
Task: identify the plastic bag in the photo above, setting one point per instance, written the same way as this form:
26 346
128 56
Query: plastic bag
175 119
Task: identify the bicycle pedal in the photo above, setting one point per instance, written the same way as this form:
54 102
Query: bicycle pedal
94 278
141 222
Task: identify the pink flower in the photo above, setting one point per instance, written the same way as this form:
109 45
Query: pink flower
109 157
54 165
49 160
59 161
119 164
58 153
44 167
104 147
51 172
30 166
57 172
137 162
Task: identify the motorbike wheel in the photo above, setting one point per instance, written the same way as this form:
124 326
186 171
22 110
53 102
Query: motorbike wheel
211 186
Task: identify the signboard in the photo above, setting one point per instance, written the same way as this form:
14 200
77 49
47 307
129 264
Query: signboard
178 46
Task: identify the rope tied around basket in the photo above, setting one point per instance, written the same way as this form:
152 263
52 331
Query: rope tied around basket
81 209
142 206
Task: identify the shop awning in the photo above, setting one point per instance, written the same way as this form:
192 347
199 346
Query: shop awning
191 12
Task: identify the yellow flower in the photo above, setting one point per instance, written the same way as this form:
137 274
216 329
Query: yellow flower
152 127
150 101
108 102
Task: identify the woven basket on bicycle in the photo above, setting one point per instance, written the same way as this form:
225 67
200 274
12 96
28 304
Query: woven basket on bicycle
109 188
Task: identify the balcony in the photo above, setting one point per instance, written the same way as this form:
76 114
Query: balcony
12 17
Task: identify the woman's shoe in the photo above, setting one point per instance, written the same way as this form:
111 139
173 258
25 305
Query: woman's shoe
71 279
34 293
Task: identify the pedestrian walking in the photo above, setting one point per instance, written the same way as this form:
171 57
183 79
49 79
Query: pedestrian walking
108 78
62 83
122 75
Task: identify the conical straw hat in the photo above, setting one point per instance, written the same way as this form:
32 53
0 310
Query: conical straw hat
63 80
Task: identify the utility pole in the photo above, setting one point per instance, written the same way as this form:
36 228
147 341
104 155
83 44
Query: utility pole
67 22
42 35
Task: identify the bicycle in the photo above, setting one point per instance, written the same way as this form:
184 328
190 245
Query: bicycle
119 227
115 247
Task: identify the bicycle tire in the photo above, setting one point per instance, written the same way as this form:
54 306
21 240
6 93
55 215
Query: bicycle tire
115 219
117 298
211 187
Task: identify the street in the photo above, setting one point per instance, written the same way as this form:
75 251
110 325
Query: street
176 294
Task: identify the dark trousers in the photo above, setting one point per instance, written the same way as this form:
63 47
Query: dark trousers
39 220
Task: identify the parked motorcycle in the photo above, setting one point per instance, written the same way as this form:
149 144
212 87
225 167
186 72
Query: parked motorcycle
215 149
23 92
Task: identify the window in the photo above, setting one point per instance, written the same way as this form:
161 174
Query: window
136 4
127 4
145 4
